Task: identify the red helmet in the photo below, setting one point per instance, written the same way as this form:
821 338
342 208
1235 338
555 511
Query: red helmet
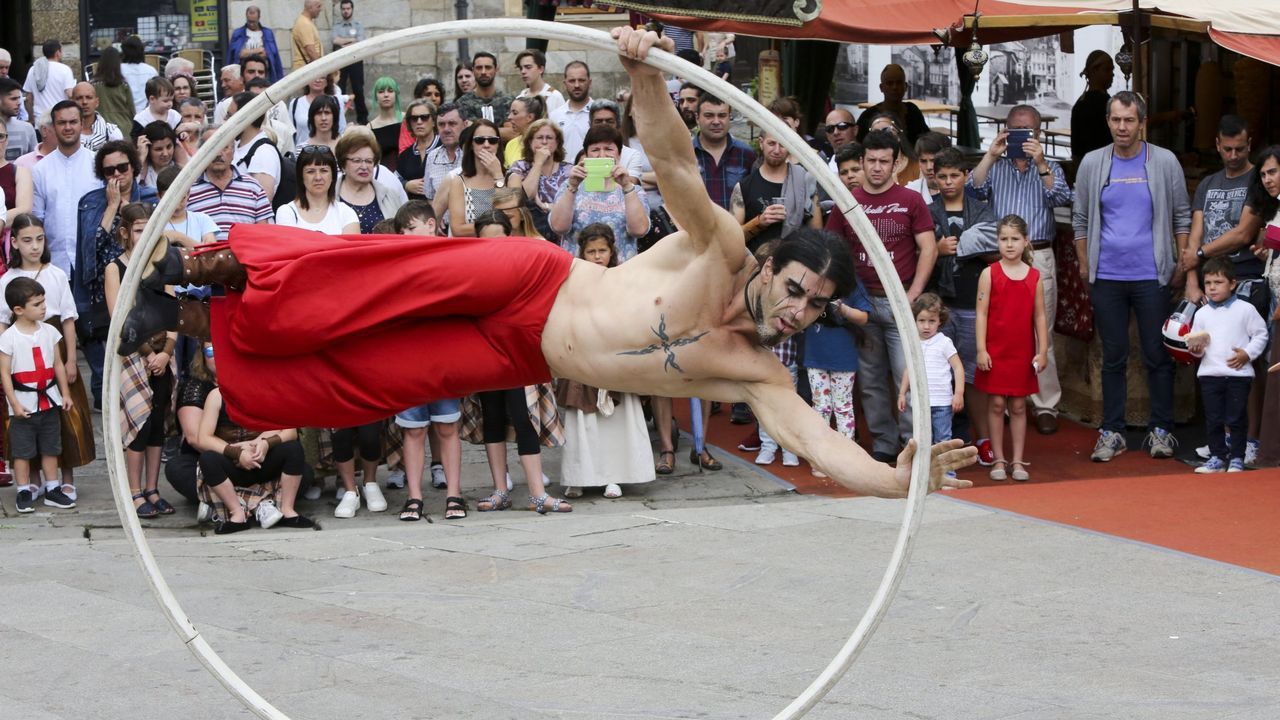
1176 329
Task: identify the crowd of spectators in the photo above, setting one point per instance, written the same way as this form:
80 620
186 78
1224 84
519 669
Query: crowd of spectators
79 179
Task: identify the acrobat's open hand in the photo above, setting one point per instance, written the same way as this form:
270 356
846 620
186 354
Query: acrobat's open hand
948 456
633 46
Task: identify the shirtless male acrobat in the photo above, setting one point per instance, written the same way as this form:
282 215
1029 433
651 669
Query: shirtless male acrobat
335 331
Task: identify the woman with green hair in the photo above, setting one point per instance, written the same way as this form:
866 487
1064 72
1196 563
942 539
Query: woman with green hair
386 125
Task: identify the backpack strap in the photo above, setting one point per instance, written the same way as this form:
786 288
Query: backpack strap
248 156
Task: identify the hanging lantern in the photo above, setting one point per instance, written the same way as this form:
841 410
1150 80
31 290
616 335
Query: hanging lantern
975 58
1124 60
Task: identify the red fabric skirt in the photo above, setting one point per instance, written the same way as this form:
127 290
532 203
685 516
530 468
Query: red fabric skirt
339 331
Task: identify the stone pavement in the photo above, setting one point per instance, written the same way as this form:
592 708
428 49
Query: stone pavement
713 596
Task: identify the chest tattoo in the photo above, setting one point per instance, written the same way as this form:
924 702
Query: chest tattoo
666 345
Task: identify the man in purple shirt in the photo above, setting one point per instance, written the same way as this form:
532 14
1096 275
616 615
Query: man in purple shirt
1131 216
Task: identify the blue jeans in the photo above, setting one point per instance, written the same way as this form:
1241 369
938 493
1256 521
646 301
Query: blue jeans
1226 402
941 417
1150 303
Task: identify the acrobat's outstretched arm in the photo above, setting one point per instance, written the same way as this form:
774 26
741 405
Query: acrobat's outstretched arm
666 142
799 429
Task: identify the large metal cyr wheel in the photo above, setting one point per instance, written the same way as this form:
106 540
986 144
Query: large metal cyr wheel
585 37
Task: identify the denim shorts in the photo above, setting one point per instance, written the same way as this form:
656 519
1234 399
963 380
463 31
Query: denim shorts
962 329
439 411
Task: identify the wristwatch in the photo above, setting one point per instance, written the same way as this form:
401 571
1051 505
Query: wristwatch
499 183
1200 252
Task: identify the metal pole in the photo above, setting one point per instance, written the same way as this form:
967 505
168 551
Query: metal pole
1137 48
464 45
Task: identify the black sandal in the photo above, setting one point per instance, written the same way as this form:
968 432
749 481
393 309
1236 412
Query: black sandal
412 510
665 467
160 503
455 508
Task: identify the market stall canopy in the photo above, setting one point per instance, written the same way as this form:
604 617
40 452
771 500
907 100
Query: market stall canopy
1249 27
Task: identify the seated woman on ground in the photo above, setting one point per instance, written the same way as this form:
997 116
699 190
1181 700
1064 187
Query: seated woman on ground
501 408
235 457
606 439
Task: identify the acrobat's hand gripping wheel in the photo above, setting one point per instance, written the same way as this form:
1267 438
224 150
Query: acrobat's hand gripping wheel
585 37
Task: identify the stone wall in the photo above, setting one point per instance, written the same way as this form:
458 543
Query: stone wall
408 65
57 19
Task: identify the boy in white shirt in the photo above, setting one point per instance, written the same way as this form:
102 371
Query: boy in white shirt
35 384
159 106
1227 335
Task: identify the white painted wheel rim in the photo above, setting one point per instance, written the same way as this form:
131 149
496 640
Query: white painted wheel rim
585 37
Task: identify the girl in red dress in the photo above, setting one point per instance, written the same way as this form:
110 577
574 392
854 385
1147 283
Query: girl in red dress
1013 341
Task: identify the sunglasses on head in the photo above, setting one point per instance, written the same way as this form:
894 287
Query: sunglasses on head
841 126
113 170
486 139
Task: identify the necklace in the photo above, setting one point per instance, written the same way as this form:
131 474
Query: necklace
747 299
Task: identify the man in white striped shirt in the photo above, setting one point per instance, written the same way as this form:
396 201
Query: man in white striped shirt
1029 185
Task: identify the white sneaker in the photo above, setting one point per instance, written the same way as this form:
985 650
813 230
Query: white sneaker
789 459
268 514
339 490
313 492
396 480
204 512
766 457
1250 454
613 490
1203 452
437 477
373 498
348 506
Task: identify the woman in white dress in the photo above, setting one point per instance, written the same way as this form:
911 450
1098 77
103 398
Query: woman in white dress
606 440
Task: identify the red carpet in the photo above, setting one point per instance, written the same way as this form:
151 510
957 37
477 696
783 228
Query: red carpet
1230 518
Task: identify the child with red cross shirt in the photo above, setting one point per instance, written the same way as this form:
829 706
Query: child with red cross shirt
35 384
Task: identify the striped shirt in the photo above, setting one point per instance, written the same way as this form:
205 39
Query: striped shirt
437 167
1022 193
243 201
100 133
736 163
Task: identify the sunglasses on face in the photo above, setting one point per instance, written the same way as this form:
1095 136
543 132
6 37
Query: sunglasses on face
841 126
419 118
485 140
113 170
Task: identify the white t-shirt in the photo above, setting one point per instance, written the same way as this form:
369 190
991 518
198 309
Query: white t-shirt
938 351
338 217
33 359
551 97
633 161
574 125
137 75
195 225
58 300
59 83
265 160
145 117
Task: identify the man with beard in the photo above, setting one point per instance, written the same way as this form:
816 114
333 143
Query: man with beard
59 181
695 315
95 131
754 205
22 137
841 130
485 101
574 117
443 159
687 102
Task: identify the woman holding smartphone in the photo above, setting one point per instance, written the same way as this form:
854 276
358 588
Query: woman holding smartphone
620 204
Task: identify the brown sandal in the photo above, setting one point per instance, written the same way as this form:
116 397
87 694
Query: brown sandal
665 467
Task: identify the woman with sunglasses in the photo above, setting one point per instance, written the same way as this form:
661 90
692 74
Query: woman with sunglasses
358 156
411 166
117 165
472 194
429 89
